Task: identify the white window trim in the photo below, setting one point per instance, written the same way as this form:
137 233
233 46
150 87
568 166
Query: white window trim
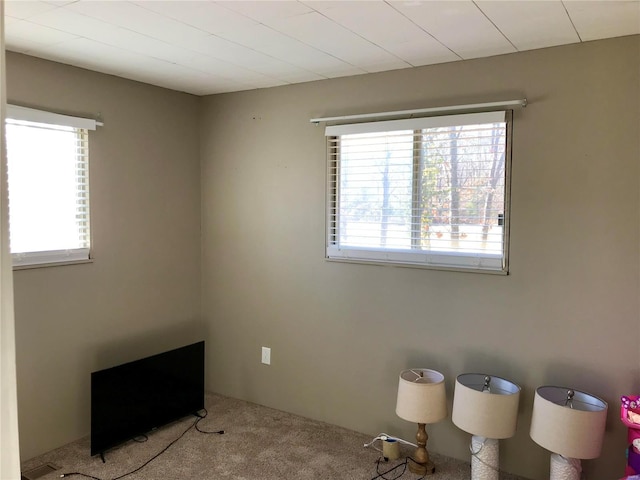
15 112
27 260
449 260
50 258
415 123
454 261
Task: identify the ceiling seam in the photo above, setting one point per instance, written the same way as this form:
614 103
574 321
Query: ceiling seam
571 20
496 26
258 22
311 46
105 69
425 31
216 36
363 38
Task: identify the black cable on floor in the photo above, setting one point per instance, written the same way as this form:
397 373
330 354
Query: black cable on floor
403 465
194 424
219 432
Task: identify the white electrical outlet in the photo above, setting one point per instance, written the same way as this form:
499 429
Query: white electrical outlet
266 355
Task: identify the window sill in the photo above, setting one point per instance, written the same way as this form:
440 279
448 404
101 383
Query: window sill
51 264
445 268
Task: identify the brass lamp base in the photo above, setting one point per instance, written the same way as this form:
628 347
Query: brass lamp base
422 469
421 464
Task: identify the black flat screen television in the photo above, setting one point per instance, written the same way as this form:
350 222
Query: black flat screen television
134 398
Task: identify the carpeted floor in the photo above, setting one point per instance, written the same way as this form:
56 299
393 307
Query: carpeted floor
259 443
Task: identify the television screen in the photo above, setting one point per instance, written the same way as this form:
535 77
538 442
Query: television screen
133 398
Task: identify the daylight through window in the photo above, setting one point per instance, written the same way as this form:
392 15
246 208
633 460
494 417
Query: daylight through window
48 181
428 191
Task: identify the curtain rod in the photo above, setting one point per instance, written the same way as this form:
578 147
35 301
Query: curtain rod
453 108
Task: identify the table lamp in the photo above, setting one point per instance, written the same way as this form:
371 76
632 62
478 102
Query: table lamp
421 399
487 408
570 424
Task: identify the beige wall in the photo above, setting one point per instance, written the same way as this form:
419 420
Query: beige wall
142 293
340 333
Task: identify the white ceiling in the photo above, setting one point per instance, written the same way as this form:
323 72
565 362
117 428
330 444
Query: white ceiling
205 47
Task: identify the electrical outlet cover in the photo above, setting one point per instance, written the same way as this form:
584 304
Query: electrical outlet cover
266 355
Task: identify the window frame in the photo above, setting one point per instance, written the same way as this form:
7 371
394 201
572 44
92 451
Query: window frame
455 261
81 127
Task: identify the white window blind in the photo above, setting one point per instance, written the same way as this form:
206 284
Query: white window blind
48 176
429 191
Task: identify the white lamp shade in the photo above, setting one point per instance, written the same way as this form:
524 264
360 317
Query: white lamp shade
571 432
490 413
421 396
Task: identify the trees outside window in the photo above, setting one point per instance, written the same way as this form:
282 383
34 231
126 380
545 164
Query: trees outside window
432 196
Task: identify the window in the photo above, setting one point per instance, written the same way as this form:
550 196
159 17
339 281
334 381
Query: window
48 177
428 191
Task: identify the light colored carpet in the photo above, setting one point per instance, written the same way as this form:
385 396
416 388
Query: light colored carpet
259 443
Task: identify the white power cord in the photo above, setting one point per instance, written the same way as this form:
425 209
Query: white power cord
385 436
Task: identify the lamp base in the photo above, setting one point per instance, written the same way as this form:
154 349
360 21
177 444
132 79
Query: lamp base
485 464
420 464
422 469
563 468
